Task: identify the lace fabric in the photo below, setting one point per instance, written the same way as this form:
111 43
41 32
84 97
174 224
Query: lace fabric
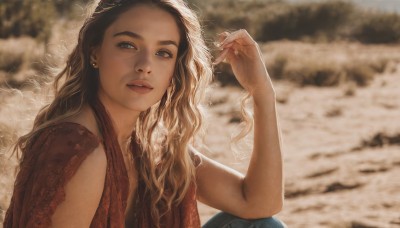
51 162
53 159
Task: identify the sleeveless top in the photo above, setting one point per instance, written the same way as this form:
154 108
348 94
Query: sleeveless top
52 160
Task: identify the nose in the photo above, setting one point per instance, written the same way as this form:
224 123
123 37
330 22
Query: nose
143 63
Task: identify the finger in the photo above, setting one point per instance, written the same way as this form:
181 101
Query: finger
226 46
232 50
241 36
222 54
221 57
221 37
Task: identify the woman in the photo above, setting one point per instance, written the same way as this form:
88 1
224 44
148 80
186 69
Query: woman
112 148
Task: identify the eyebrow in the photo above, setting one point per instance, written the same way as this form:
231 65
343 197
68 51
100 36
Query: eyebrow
137 36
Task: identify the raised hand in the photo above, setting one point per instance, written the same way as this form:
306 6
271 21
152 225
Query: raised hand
243 54
259 193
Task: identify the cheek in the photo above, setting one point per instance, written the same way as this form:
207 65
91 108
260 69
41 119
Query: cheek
166 72
111 61
107 74
113 71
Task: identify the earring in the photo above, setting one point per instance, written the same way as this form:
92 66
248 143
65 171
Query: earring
94 65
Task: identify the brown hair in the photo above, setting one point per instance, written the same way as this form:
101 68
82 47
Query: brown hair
164 131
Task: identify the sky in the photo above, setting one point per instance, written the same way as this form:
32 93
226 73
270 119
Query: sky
386 5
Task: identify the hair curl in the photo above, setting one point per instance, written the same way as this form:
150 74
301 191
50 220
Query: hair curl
164 131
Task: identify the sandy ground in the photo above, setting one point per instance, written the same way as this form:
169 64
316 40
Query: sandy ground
341 151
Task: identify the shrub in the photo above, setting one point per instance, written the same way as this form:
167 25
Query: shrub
66 8
10 61
303 65
379 65
219 19
360 73
313 72
379 28
19 60
15 52
277 68
304 20
270 20
29 17
316 72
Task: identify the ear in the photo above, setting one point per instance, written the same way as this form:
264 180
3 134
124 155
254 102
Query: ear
93 55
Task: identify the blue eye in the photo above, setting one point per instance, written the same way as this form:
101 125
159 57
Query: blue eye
165 54
126 45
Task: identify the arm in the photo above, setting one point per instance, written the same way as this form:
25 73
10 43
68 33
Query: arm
260 192
64 169
82 193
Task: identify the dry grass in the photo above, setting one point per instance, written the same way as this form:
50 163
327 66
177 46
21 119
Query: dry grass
20 61
22 93
18 109
322 64
301 20
329 64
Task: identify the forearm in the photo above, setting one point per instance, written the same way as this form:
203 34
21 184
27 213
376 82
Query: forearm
262 187
263 183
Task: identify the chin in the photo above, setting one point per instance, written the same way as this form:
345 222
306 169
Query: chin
139 107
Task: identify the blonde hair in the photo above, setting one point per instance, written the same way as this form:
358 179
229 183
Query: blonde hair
164 131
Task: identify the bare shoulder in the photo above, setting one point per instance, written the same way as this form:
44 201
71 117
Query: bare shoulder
73 153
83 192
86 118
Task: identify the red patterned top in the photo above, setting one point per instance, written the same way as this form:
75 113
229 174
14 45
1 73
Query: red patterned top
53 159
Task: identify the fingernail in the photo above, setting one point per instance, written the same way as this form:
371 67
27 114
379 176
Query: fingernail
217 60
223 42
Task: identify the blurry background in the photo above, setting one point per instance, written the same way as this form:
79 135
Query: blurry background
336 71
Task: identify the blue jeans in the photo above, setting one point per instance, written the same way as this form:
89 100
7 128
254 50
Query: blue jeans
225 220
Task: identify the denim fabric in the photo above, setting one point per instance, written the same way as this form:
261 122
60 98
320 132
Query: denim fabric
225 220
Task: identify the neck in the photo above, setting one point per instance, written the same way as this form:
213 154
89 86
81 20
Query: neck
124 121
124 126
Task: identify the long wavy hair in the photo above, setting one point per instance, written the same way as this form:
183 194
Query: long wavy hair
164 131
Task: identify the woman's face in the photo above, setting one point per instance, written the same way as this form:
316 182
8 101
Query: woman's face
137 58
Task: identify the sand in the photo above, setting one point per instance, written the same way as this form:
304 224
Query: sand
341 152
